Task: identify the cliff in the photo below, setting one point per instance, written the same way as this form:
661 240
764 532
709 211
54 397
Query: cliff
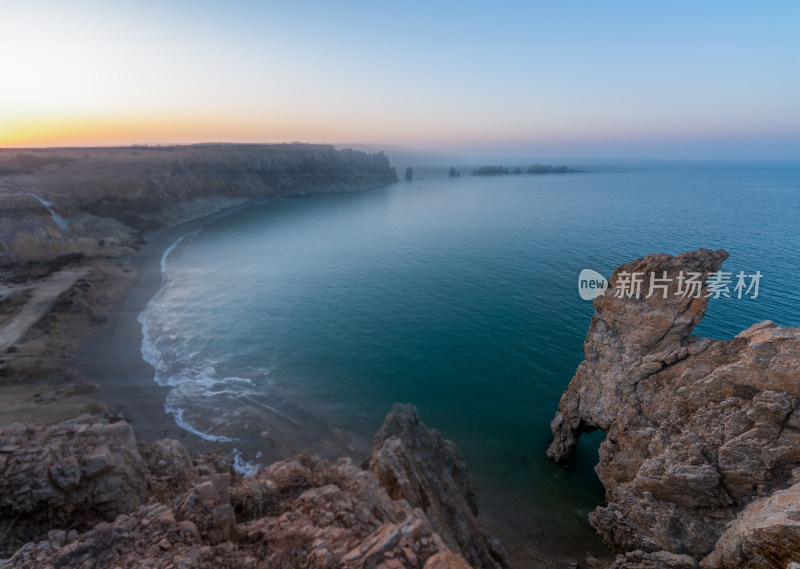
107 197
702 449
84 493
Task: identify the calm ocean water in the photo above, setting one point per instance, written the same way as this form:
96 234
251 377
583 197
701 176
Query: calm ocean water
314 315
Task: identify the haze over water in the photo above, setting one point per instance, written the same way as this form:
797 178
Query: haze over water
457 295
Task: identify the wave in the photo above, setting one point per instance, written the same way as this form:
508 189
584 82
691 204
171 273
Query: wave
196 385
179 365
177 412
172 247
243 467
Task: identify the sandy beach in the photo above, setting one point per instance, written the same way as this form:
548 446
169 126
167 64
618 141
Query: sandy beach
112 357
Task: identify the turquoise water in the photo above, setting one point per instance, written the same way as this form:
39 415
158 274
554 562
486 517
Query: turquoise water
308 318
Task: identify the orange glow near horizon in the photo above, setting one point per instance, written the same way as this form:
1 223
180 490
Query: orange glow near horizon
90 73
121 131
54 130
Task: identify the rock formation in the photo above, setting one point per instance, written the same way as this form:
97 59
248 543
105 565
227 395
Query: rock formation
78 469
535 169
417 465
156 507
697 430
765 535
489 171
548 169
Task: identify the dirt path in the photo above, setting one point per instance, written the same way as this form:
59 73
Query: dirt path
43 293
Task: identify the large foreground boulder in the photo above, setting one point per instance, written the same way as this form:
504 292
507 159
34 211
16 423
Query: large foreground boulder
765 536
85 468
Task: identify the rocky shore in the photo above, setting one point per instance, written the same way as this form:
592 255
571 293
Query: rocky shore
86 493
701 460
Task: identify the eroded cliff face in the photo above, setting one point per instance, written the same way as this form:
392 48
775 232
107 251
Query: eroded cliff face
696 429
103 199
82 493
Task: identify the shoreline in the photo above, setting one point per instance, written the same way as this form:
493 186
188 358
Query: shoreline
112 356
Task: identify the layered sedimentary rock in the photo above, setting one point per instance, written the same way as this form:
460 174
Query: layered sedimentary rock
696 429
102 199
158 508
85 468
416 464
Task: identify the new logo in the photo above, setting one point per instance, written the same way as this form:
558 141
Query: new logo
591 284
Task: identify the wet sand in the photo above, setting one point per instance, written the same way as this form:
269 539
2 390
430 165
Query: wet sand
112 358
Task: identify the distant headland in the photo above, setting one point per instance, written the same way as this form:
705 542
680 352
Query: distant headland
535 169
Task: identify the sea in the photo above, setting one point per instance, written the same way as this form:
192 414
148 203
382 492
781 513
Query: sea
305 319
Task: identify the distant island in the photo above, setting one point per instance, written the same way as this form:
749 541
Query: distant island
535 169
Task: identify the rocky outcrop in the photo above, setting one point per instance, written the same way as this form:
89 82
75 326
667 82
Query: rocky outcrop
764 536
158 508
696 429
80 469
489 171
416 464
643 560
336 515
548 169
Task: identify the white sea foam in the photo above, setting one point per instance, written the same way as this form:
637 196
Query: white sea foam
188 373
243 467
172 247
149 352
178 414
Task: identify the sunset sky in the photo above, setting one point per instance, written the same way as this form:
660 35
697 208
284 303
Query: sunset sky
573 78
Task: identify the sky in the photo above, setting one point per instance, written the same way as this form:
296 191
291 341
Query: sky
677 79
